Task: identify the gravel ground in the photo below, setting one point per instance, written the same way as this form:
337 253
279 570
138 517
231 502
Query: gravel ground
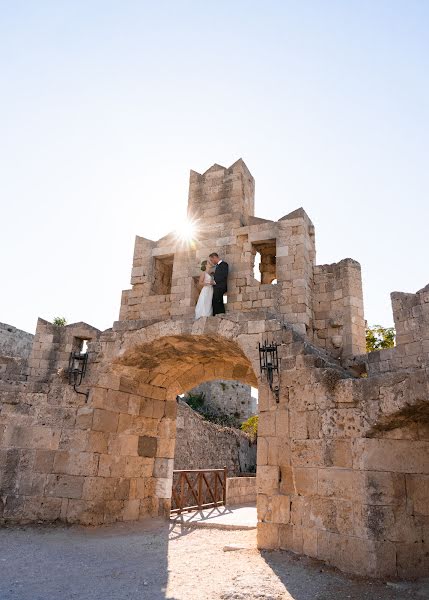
153 560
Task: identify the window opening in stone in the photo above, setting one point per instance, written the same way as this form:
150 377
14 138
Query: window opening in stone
162 275
256 265
265 261
80 345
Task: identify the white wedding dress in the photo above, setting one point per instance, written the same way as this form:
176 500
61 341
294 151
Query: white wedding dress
204 306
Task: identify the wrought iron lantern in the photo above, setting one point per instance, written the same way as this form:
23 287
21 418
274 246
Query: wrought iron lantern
269 365
77 368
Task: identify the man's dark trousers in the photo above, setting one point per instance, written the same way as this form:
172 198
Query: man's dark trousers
220 277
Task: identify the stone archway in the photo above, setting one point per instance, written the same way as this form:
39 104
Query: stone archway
133 399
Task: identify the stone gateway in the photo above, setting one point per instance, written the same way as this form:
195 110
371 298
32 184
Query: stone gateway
342 456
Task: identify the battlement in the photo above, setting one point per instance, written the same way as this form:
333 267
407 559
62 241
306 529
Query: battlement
324 303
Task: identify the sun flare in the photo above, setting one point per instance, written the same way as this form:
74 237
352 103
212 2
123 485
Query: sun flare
187 230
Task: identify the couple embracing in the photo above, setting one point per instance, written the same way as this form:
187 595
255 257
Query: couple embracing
213 286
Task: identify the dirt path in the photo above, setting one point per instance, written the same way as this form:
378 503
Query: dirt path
151 561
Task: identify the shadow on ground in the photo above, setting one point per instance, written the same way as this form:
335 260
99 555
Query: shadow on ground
108 563
308 579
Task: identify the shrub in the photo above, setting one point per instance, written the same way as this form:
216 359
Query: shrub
59 321
251 427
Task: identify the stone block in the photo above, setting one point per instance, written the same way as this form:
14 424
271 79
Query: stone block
308 453
163 467
267 480
97 442
75 440
111 466
42 508
339 453
384 488
131 510
166 448
123 444
267 424
147 446
268 536
84 417
280 506
262 450
117 401
85 512
298 425
137 466
75 463
163 487
351 554
64 486
400 456
418 493
305 481
340 483
105 420
44 461
125 422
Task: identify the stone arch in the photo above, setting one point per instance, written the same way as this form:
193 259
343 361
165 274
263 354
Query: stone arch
134 407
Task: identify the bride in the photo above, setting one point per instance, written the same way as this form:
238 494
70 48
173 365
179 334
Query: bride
204 306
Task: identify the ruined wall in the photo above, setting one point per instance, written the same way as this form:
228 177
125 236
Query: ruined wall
165 272
52 346
228 398
339 324
343 456
204 445
15 342
15 348
343 461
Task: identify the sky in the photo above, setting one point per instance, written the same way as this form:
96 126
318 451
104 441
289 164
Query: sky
106 106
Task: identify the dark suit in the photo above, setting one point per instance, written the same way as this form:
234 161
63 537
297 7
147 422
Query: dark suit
220 287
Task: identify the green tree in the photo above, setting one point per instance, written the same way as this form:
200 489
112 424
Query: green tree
251 426
379 338
60 321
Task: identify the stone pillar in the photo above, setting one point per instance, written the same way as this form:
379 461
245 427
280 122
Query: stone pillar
295 260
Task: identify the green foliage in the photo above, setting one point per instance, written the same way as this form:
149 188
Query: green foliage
251 426
59 321
379 338
195 401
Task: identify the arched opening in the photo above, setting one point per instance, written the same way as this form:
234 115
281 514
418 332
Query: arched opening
148 377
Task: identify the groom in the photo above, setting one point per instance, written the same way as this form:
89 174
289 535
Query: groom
220 287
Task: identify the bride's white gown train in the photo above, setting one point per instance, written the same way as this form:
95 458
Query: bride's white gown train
204 305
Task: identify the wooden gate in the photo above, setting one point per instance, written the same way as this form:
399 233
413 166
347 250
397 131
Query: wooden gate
195 489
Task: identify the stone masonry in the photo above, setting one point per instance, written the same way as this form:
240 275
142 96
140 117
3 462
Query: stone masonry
342 456
15 348
204 445
228 398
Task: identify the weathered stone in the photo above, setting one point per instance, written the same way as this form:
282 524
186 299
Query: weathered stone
147 446
342 459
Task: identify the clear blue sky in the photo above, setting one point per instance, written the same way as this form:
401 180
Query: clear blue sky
106 106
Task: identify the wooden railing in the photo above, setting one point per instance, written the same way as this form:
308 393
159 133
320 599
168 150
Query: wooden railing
196 489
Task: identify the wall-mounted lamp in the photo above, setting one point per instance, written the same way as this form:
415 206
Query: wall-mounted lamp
77 368
269 364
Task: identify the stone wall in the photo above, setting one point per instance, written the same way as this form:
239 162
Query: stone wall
343 452
325 303
204 445
52 346
338 308
15 342
228 398
240 490
15 348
